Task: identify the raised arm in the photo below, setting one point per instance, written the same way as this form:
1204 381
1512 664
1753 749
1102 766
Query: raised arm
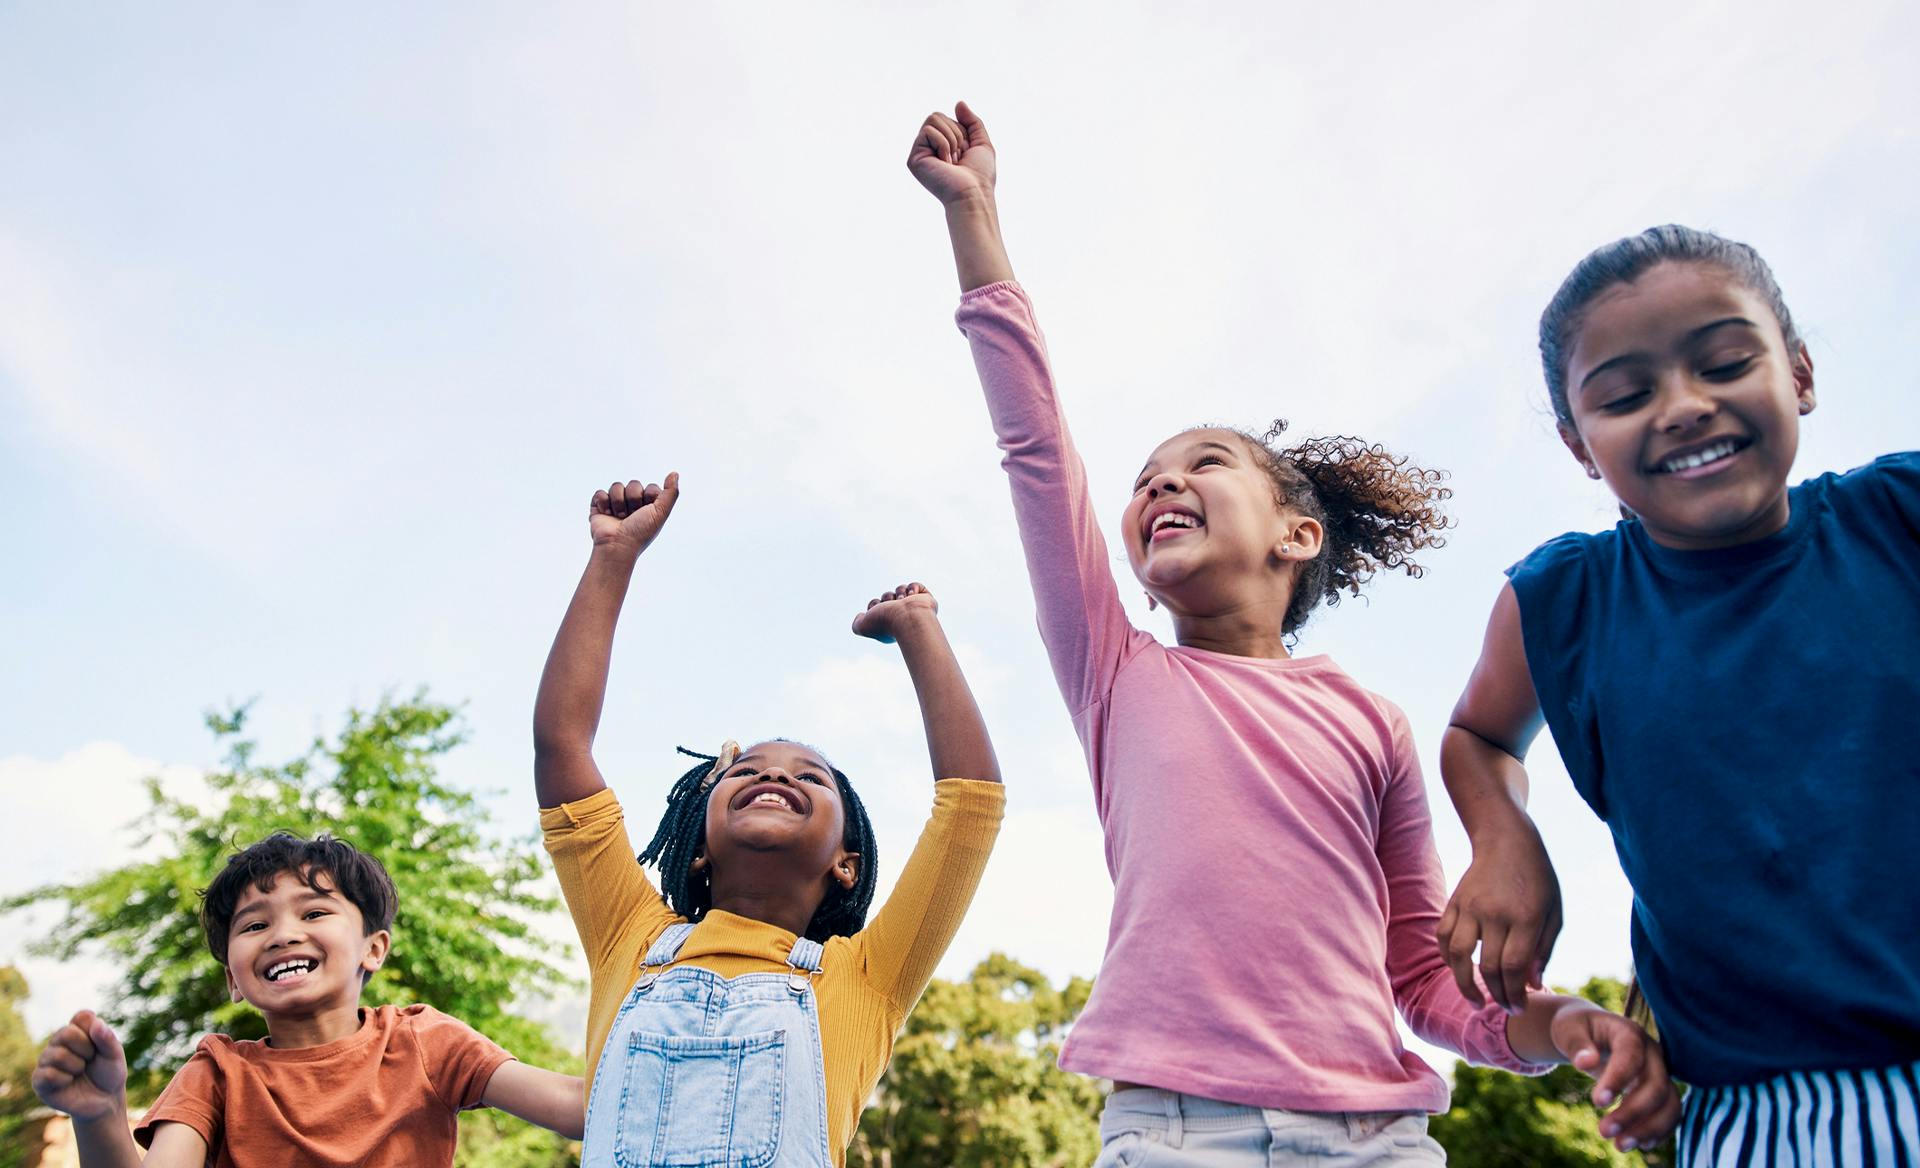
957 742
954 159
623 519
1508 903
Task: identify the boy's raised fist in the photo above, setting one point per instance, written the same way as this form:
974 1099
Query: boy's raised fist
953 157
83 1070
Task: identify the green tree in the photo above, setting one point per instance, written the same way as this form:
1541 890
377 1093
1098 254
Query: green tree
975 1082
1499 1119
462 938
17 1055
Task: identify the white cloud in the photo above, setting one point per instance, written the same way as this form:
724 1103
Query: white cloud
66 820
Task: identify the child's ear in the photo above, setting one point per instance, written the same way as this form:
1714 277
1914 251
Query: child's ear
699 863
233 987
1803 379
379 944
1578 449
1300 539
846 870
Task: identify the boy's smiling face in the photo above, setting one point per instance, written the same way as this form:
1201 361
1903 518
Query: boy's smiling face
295 949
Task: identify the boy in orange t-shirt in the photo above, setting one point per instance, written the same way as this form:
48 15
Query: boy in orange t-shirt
300 925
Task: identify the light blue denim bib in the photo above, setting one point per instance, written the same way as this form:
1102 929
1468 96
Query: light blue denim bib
702 1071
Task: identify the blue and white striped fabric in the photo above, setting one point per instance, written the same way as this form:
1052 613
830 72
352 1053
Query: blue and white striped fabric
1808 1119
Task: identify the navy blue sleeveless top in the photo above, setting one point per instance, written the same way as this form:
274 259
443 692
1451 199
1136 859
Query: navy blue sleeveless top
1747 722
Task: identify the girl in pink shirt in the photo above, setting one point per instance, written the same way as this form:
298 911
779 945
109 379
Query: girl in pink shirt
1276 888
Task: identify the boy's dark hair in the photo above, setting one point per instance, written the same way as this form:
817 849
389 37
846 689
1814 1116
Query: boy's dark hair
683 831
1376 510
1625 260
322 863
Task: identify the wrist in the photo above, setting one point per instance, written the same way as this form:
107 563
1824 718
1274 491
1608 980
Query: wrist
112 1119
973 200
615 553
1500 823
915 624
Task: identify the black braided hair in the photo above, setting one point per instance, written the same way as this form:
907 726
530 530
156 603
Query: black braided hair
683 831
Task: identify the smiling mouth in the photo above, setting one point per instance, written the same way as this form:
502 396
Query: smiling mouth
1169 524
771 796
293 969
1704 456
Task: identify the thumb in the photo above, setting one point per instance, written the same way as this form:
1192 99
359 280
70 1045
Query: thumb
669 494
106 1041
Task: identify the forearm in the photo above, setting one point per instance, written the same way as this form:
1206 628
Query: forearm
106 1142
545 1098
979 254
573 686
957 741
1488 786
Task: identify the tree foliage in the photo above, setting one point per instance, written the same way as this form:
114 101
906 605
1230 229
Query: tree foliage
462 939
17 1055
1499 1119
974 1079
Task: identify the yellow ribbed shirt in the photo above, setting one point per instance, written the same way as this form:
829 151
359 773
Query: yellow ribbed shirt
867 982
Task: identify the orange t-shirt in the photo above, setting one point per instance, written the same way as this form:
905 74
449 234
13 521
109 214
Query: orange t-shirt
387 1094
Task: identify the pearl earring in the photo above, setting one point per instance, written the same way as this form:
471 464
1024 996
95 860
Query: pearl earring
1286 549
1593 472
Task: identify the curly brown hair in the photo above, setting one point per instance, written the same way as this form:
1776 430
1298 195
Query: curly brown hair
1377 510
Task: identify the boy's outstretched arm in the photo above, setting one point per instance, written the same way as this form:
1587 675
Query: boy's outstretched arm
623 519
1508 903
549 1099
83 1072
954 159
957 741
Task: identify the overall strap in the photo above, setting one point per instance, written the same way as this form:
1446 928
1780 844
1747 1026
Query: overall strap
667 947
805 955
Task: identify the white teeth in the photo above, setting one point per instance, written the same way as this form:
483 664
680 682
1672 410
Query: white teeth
769 797
1174 519
299 964
1714 453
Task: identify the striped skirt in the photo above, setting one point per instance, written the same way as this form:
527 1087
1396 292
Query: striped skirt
1828 1119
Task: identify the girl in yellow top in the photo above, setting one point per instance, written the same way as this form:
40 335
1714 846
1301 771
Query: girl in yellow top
743 1015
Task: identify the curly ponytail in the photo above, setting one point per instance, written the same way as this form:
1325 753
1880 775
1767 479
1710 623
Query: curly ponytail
1376 508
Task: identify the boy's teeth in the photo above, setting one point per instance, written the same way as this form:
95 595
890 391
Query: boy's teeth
298 965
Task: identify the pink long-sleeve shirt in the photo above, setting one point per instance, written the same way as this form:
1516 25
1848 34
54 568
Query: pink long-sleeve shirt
1275 882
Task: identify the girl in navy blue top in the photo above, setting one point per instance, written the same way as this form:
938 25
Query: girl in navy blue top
1729 675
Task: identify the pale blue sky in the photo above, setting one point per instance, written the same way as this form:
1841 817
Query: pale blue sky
318 329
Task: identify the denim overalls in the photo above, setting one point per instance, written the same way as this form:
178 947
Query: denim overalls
702 1071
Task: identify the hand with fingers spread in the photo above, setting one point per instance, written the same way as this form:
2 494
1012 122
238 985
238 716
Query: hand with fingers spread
887 613
1627 1065
83 1071
629 515
953 157
1508 904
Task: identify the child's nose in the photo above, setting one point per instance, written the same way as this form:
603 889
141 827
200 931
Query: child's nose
1686 403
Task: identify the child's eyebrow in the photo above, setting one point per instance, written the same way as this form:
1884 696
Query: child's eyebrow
1692 336
1206 444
